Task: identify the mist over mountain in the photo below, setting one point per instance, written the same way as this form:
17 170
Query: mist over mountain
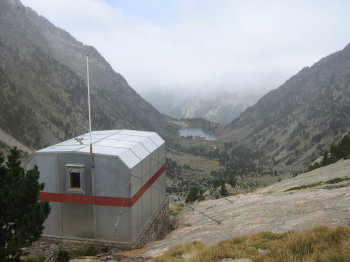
43 96
43 84
219 106
298 121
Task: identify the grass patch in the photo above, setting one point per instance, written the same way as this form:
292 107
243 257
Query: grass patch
337 180
175 209
178 253
33 258
65 255
320 244
332 181
303 187
197 162
84 251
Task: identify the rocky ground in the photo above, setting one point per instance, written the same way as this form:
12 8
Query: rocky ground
319 197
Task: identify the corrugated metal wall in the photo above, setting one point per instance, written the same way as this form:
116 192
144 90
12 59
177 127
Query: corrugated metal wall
111 178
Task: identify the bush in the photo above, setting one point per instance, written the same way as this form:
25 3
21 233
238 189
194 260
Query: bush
90 250
21 214
336 152
34 258
63 256
223 190
192 195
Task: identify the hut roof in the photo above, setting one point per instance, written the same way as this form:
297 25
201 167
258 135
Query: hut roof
130 146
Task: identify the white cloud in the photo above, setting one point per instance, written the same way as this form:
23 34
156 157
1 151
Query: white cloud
205 43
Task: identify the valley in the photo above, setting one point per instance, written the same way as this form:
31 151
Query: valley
196 162
280 133
237 162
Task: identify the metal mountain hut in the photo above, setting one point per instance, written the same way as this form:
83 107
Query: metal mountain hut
111 195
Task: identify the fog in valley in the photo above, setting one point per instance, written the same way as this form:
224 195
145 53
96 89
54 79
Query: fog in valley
204 45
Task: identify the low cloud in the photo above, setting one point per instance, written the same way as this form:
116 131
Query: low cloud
207 44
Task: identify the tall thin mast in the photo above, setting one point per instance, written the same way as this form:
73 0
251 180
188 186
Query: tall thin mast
88 85
91 155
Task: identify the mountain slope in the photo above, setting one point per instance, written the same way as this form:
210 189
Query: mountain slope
301 118
43 90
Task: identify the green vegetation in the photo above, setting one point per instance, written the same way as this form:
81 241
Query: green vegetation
34 258
224 175
336 152
320 244
337 180
223 190
89 250
21 215
186 161
185 171
304 186
194 194
332 181
63 256
176 253
175 209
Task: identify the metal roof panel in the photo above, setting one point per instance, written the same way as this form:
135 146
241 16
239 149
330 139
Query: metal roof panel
149 145
157 139
131 146
62 148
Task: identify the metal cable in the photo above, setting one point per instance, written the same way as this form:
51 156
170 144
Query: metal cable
155 187
116 224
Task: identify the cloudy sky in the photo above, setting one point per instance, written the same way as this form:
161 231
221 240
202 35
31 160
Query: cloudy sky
204 44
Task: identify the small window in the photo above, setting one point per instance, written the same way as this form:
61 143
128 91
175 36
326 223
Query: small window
75 178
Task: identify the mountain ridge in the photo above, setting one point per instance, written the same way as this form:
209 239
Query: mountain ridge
43 84
299 120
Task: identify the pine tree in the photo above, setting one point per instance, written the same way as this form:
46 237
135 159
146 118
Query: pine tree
192 195
326 160
200 195
232 181
21 214
341 150
223 190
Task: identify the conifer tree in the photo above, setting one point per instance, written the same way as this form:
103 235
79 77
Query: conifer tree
223 190
21 214
232 181
192 195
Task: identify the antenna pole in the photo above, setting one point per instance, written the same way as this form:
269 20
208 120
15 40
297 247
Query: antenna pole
91 155
88 85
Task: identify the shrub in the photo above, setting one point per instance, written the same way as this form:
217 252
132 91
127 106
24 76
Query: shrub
62 256
21 214
192 195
